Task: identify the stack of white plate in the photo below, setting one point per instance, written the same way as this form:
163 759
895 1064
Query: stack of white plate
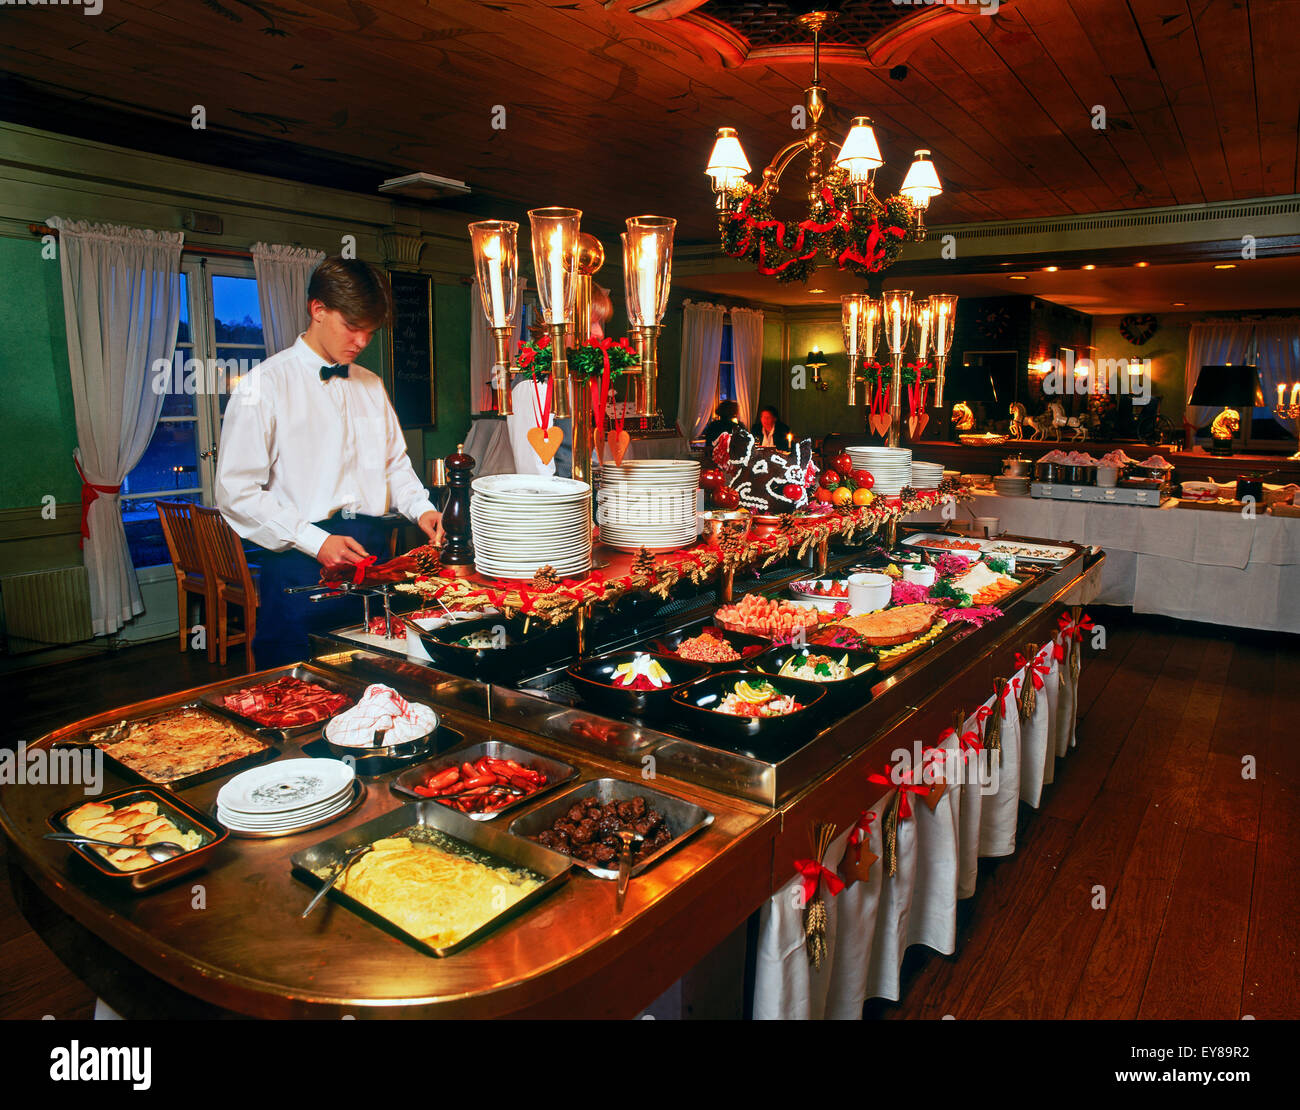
891 467
277 799
1011 487
926 475
648 503
523 522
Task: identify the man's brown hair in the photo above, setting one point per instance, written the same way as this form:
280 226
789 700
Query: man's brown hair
356 289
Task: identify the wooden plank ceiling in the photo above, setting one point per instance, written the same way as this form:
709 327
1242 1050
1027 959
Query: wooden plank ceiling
615 113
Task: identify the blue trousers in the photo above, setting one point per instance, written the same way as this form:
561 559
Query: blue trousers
285 621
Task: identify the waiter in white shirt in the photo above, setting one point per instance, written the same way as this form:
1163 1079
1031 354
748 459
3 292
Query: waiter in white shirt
312 456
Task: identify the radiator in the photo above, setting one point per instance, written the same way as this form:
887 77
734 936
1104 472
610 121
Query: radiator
44 608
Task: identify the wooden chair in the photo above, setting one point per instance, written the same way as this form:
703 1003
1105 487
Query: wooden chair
228 567
187 562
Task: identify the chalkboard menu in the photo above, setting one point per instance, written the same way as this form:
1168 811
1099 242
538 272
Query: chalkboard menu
410 349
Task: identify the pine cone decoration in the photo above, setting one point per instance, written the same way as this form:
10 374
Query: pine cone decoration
906 494
546 579
643 566
428 559
786 524
949 485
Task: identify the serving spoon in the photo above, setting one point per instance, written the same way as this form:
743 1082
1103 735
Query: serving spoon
160 851
351 858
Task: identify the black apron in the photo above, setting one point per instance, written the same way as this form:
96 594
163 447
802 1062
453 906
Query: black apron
285 621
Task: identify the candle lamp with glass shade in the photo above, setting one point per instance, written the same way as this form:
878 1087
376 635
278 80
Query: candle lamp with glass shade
555 234
1229 387
647 277
1289 410
920 186
860 321
897 321
943 319
496 266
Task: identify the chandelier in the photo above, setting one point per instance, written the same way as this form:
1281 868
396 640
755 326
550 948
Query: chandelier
846 221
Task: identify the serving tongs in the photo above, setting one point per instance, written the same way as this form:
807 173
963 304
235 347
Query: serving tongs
348 861
629 837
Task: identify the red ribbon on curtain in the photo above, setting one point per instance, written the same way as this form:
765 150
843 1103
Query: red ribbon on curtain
967 741
89 491
813 871
1038 669
903 788
865 818
1072 630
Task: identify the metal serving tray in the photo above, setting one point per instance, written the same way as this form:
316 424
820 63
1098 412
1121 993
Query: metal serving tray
305 672
684 818
184 816
269 751
557 773
436 823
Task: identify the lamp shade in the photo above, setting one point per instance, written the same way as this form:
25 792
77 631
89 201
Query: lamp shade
860 154
1230 386
727 163
922 181
814 358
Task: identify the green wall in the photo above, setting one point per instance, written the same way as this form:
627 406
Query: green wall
451 324
38 429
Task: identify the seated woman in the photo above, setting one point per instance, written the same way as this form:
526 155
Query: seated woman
770 430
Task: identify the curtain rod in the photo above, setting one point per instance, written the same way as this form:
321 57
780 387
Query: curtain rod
221 252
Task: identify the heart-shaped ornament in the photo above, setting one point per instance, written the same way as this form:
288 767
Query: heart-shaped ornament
618 445
922 419
545 442
880 423
911 426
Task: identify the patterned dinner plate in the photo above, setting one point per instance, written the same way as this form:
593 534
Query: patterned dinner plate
286 786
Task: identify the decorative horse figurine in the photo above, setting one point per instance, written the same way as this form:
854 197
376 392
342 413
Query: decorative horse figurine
1018 420
1039 424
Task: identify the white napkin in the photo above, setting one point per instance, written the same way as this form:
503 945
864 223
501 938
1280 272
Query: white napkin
381 709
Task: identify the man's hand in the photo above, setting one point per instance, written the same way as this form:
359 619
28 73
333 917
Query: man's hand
340 551
431 524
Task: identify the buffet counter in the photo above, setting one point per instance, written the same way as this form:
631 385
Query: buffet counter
231 935
1218 567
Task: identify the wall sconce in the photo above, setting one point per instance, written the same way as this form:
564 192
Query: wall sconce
816 361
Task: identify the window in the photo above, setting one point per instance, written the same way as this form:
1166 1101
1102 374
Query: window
219 339
726 370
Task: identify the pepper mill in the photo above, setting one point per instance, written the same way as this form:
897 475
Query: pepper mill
457 549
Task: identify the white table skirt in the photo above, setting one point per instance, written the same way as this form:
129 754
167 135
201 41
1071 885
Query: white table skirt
872 923
1218 568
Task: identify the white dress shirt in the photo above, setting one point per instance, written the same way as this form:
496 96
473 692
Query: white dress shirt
295 449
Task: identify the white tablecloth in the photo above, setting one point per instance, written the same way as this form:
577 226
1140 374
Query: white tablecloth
1220 568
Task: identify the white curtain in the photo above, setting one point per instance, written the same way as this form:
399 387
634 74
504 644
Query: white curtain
1214 345
701 350
482 353
1279 363
282 275
121 305
747 359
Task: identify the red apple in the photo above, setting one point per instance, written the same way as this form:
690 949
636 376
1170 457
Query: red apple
726 498
792 492
829 479
824 496
843 462
711 480
864 479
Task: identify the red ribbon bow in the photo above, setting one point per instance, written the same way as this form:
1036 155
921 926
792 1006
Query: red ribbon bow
813 872
983 713
904 788
1070 629
89 491
363 565
1037 669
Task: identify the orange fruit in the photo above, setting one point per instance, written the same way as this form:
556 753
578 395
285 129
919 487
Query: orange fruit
863 497
841 496
824 495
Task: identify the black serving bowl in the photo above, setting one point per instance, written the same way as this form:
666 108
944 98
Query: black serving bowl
846 694
695 705
1076 475
595 681
514 651
747 646
1045 472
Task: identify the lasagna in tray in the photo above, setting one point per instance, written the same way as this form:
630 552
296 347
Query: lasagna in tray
432 894
176 745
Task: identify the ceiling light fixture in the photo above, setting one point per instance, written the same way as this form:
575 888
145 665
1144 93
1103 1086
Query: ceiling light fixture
1225 265
1090 266
1051 269
1017 277
845 220
1179 304
1142 265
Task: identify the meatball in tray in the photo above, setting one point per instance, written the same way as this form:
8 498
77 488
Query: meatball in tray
585 823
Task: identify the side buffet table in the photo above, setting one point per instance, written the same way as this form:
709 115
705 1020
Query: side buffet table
229 937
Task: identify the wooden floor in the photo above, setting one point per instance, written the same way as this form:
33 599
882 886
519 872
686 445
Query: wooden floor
1180 803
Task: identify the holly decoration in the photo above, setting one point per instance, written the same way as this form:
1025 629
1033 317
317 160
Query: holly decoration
860 244
875 373
585 360
1138 329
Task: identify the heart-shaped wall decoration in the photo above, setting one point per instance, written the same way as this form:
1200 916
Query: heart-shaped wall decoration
1138 329
547 442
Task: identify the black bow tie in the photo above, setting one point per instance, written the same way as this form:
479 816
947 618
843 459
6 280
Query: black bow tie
339 371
